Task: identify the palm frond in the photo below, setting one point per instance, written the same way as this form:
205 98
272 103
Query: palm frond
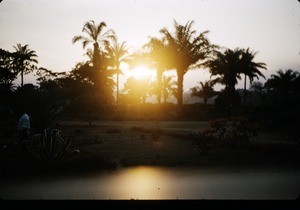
77 38
99 28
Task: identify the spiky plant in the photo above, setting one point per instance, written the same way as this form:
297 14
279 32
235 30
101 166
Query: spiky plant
52 147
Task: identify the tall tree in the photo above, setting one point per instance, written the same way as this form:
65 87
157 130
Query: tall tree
7 76
95 35
228 66
159 57
24 60
117 53
189 51
250 68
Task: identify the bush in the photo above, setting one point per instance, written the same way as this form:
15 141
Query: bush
234 132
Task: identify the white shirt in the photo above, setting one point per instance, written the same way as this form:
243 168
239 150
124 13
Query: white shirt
24 122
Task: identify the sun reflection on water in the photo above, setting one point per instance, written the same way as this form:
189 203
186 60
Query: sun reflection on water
141 183
146 182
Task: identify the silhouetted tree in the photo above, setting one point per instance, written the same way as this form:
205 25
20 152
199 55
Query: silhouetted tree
7 75
282 82
205 90
228 66
24 60
250 68
159 57
166 88
117 53
95 35
257 86
189 51
296 85
46 75
50 84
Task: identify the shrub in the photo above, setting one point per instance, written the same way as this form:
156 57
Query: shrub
234 132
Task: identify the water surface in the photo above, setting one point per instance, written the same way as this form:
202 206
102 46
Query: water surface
160 183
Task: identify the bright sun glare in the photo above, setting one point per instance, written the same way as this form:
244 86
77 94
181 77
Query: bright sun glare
140 72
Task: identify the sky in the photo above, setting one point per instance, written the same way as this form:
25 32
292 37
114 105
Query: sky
269 27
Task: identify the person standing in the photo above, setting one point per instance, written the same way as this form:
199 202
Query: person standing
24 126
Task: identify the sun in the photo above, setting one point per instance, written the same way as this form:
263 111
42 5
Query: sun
140 72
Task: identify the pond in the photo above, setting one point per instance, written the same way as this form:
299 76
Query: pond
143 182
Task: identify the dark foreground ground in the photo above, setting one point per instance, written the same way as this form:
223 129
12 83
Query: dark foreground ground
114 144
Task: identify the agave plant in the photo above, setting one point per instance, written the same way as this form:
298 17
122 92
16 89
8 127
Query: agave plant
51 146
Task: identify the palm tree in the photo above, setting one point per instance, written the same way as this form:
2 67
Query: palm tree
158 55
188 51
174 90
166 87
282 81
95 35
228 66
250 68
205 90
117 54
24 60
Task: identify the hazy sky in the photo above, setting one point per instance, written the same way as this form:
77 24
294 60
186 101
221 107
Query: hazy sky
270 27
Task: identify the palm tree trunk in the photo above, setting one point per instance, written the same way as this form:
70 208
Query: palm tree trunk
117 88
180 88
245 89
165 97
285 95
231 98
117 95
96 68
96 55
159 82
22 78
